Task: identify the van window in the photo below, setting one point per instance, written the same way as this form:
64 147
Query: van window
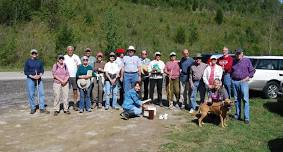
254 61
268 64
281 64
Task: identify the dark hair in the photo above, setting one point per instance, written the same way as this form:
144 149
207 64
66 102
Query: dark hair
137 82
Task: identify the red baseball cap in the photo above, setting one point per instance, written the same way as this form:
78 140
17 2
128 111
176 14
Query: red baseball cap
120 50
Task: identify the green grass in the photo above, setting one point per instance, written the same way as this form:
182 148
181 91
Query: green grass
266 125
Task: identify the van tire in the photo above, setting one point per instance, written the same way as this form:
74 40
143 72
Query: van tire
271 90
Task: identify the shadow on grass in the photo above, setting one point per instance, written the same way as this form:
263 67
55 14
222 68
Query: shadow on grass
210 118
275 145
275 107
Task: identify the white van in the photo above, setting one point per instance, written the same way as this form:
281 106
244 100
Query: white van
268 75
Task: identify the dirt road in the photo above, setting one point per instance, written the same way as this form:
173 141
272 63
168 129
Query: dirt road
99 130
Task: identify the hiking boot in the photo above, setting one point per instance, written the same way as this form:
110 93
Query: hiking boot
125 115
44 111
56 113
67 112
32 111
183 106
75 108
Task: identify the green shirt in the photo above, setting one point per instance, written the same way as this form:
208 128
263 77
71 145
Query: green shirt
83 70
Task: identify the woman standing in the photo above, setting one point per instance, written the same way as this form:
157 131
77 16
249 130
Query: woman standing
111 81
60 85
156 70
84 75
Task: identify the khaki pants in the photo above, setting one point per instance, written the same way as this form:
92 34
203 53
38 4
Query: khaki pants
60 92
97 91
184 92
173 89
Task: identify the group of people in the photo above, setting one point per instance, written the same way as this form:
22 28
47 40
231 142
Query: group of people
125 73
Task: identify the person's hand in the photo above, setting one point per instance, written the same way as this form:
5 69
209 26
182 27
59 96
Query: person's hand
36 77
246 79
192 86
121 79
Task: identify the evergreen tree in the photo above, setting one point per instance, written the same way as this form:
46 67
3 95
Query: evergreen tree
219 16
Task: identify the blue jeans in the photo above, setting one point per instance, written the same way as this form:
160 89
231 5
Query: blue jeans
241 92
198 86
227 81
85 98
111 90
129 80
31 87
134 111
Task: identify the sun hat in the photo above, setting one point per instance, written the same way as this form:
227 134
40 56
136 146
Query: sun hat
157 53
198 56
83 83
33 51
131 48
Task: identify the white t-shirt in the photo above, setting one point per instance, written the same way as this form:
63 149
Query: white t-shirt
111 68
119 61
72 63
159 65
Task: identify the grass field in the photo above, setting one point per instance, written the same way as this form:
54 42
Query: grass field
264 133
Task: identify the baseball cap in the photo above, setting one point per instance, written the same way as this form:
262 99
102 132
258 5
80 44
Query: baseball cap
33 51
172 54
157 53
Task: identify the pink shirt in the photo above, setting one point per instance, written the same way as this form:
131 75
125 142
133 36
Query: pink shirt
61 72
172 68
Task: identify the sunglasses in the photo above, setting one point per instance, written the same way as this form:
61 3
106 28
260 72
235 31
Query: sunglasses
85 59
61 58
112 55
34 53
99 56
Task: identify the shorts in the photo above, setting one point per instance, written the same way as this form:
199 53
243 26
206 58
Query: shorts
73 83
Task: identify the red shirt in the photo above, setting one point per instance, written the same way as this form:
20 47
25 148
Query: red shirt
226 62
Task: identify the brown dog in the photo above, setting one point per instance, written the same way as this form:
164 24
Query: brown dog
218 108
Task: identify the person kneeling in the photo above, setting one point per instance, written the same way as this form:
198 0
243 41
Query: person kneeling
132 104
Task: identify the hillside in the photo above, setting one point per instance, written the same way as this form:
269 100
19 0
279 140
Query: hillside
163 25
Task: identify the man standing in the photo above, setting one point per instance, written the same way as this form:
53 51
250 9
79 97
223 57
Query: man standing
185 65
98 82
72 62
34 70
144 72
91 59
131 69
242 72
196 82
172 69
226 62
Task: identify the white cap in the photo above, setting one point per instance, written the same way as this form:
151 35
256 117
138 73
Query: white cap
172 54
33 51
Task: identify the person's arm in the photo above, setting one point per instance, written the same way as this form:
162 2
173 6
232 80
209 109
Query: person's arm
191 78
205 76
136 99
228 66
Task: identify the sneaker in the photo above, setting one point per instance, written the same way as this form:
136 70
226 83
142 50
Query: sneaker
177 106
125 115
44 111
183 106
107 108
116 108
56 113
94 106
81 110
247 122
89 110
99 105
192 111
67 112
32 111
160 104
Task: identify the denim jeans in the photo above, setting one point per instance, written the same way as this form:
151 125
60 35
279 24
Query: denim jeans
85 98
31 87
241 92
198 86
129 80
111 91
134 111
227 82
